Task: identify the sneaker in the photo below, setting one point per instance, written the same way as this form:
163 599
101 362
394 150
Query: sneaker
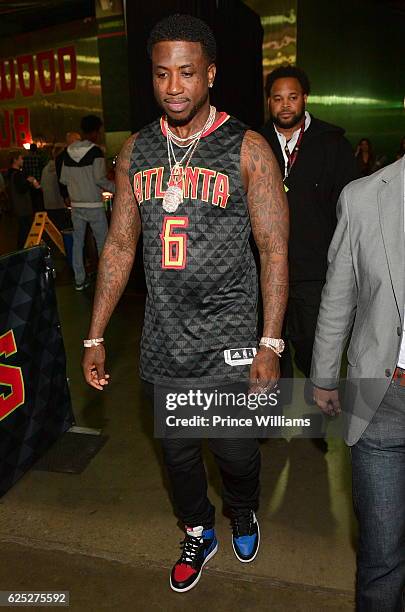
198 546
245 536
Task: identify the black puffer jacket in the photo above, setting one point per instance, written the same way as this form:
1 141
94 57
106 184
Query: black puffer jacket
324 165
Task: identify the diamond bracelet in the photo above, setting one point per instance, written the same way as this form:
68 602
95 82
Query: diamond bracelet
92 342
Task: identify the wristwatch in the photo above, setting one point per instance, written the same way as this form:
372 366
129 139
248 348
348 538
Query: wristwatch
275 344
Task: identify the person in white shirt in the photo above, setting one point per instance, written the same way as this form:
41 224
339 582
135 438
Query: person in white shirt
84 174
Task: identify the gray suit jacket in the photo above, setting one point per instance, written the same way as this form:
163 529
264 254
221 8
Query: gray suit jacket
365 288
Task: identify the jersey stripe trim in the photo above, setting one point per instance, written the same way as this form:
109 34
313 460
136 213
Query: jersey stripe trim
221 119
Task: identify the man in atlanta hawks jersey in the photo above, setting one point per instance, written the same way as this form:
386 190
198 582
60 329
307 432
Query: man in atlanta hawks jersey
196 183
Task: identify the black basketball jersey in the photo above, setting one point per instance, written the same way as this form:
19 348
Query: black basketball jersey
201 308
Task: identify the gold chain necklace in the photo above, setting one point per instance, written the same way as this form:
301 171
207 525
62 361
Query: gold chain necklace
173 196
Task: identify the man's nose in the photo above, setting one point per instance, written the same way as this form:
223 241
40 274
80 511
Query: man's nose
174 85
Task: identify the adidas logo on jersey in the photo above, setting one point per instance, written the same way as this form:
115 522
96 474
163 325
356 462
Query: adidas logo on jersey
241 356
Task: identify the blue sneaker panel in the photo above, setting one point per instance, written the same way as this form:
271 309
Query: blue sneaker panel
208 534
246 544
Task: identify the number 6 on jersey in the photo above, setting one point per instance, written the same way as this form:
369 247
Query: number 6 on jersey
174 245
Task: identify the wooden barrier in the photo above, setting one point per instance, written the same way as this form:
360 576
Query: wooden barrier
41 224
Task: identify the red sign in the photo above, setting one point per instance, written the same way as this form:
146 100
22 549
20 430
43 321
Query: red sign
45 72
19 73
17 120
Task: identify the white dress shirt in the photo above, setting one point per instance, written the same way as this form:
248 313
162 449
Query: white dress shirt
293 140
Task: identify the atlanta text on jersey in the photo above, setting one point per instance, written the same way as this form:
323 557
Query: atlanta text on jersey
198 184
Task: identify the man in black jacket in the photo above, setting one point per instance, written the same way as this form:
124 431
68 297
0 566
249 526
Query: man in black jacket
19 190
316 162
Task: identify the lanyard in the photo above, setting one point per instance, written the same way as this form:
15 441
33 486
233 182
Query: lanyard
291 157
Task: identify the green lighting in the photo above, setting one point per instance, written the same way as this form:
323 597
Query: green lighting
87 59
271 20
349 100
277 61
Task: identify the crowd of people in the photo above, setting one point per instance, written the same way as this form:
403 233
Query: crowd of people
68 186
197 183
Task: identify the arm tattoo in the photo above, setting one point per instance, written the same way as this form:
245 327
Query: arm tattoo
269 217
119 250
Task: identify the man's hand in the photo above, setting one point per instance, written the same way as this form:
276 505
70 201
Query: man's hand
328 401
34 182
264 371
93 367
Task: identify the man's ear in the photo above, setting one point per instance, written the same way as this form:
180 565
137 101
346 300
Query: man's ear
211 72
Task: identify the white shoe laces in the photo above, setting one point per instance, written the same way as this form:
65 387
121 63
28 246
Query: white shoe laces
191 544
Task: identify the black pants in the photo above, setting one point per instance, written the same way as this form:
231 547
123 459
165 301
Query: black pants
300 325
239 463
37 200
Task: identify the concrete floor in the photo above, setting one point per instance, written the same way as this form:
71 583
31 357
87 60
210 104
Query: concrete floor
109 535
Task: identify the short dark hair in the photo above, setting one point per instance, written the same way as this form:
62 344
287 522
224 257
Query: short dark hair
33 147
287 72
90 124
13 156
184 27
